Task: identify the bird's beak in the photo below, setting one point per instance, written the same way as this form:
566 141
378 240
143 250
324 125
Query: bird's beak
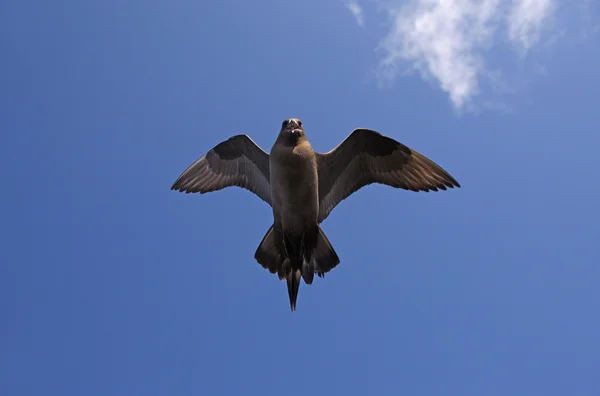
292 126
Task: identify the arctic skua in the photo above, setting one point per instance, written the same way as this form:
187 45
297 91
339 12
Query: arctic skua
303 186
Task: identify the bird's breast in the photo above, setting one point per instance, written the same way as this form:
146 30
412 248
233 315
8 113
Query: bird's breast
294 184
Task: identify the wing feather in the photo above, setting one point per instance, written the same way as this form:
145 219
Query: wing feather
238 161
367 157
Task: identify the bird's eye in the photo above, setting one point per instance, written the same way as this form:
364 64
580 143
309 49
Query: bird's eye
299 123
284 124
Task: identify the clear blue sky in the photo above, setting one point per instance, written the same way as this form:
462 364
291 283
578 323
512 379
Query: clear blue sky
111 284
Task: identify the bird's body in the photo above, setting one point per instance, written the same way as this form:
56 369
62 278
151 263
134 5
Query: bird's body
295 185
295 201
303 187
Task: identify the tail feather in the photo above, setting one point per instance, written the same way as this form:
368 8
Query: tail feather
319 259
269 256
293 284
284 269
324 255
308 270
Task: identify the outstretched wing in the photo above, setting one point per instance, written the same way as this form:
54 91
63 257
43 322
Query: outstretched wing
366 157
238 161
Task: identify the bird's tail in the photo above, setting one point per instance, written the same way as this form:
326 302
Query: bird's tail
269 255
293 284
319 258
324 256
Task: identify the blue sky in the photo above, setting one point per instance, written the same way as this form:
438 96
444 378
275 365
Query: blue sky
111 284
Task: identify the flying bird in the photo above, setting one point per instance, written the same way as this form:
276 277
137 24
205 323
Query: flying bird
303 186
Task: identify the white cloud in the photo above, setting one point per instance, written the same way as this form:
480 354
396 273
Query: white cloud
442 38
447 40
357 11
525 20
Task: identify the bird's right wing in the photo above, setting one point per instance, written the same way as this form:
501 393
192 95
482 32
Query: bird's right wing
238 161
366 157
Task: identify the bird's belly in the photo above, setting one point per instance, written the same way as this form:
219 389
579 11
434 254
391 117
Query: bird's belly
296 198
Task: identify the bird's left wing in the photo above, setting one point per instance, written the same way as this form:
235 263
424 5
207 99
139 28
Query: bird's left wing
366 157
238 161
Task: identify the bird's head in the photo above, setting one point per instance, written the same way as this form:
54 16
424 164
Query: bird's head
291 130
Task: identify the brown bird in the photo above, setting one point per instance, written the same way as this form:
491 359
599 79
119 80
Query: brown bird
303 186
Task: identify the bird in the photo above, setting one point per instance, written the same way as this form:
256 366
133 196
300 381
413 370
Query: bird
303 186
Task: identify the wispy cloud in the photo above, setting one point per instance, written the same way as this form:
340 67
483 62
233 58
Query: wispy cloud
441 38
525 20
447 41
357 11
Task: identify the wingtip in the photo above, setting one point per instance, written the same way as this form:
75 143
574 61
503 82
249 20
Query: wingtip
453 183
176 185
